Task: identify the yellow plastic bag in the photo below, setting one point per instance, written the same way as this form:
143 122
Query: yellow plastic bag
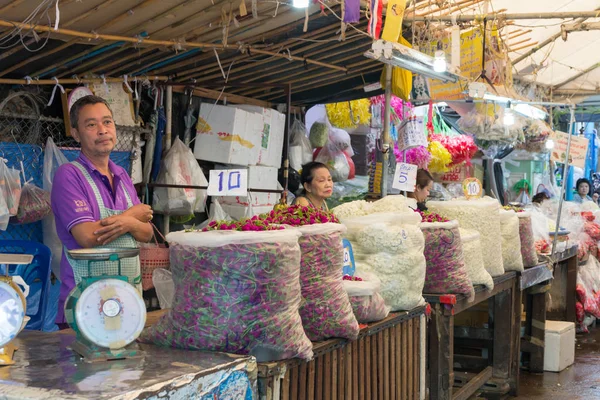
392 29
401 78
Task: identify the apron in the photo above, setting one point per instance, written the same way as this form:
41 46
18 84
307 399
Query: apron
130 267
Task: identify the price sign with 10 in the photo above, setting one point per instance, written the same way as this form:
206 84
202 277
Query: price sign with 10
228 182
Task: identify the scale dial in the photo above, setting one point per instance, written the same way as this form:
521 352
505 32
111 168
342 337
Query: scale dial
12 313
76 94
110 313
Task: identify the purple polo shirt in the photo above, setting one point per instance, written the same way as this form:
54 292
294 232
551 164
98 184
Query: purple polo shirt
74 202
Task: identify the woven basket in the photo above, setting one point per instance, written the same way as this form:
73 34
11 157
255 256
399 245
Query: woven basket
153 256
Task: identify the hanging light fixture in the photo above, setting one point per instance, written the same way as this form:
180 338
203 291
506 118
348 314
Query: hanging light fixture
404 57
439 60
300 3
509 116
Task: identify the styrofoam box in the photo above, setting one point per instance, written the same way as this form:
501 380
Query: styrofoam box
230 135
238 212
259 177
272 135
256 199
559 345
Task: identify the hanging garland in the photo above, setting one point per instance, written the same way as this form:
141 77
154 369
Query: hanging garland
461 147
349 114
400 107
441 158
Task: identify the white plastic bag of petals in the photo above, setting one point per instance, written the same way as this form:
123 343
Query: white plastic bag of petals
511 241
482 215
471 243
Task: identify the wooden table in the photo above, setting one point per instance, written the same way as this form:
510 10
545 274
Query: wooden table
501 375
386 362
563 287
45 368
534 282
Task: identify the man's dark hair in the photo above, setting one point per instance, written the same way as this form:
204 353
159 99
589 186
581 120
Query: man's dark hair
82 102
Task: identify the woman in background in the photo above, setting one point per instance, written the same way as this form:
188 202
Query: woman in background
317 186
422 187
583 189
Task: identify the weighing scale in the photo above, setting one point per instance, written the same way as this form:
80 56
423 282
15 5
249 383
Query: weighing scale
12 306
106 312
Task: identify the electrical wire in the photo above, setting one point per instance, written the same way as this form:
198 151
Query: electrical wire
18 35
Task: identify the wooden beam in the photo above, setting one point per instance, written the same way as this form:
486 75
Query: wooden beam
7 81
578 75
216 94
92 61
35 57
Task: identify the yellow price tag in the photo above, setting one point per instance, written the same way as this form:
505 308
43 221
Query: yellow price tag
472 188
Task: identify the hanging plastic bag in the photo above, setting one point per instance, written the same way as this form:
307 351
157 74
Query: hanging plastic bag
10 180
34 205
300 148
401 78
216 213
319 132
165 288
53 158
342 140
332 156
180 167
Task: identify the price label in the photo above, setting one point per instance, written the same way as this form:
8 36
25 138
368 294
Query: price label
472 188
228 182
405 177
349 268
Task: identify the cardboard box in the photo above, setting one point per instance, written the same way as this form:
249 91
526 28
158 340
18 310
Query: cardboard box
559 345
273 130
228 135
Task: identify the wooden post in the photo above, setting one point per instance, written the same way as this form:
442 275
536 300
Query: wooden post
441 353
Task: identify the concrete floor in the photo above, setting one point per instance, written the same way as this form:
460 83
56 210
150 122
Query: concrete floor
581 381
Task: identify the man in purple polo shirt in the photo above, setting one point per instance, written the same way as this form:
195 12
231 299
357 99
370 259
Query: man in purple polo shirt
93 199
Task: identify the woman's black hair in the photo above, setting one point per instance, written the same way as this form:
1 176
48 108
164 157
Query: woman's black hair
581 181
307 175
540 197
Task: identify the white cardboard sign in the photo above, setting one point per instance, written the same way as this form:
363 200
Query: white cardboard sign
228 182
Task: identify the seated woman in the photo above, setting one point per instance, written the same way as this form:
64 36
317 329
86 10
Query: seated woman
583 189
423 186
317 186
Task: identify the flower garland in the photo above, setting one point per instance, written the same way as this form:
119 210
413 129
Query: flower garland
441 158
461 148
339 113
399 106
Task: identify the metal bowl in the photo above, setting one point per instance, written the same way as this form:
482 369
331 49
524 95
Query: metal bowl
103 254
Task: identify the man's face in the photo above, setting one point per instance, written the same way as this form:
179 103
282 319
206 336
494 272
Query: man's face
96 130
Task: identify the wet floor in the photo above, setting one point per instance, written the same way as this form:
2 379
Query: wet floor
578 382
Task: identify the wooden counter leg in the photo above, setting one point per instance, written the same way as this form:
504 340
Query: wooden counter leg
538 334
441 353
515 367
571 287
502 323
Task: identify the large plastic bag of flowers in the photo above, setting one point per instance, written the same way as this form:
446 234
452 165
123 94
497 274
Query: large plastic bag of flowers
391 246
446 272
300 149
528 252
588 286
326 311
471 244
367 304
393 203
511 241
235 292
482 215
336 160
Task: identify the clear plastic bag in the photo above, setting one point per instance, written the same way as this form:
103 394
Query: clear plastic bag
367 303
179 167
216 213
342 140
300 148
165 288
446 272
588 279
53 158
10 193
326 312
511 241
34 205
472 252
528 251
235 292
391 246
482 215
332 156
